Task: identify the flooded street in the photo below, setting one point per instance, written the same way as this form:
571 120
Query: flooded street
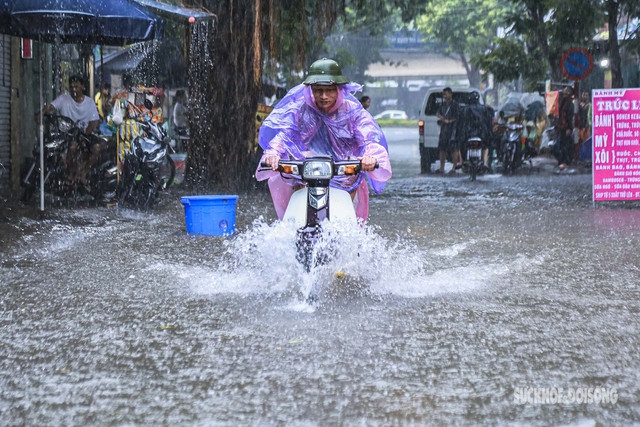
455 296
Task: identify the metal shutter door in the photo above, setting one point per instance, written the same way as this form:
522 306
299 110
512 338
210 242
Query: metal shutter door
5 112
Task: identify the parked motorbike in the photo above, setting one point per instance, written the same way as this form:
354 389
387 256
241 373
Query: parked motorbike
60 133
147 168
511 143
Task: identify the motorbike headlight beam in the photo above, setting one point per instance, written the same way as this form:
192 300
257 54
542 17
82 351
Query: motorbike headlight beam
317 170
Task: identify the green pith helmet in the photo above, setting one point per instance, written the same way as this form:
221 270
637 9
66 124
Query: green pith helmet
325 72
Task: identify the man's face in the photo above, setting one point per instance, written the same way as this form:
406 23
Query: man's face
447 96
325 97
77 90
367 103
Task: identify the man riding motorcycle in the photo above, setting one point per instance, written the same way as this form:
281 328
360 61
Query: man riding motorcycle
322 117
83 111
476 121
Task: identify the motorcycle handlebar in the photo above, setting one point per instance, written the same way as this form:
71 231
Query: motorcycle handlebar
264 166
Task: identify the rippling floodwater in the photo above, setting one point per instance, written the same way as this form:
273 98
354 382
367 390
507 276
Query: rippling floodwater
456 294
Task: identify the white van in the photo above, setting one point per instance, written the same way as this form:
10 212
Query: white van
428 122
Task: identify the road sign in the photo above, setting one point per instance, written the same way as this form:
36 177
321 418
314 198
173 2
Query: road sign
576 63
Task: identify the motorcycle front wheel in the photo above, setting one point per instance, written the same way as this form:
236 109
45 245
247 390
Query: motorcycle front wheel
149 194
473 171
168 180
508 160
28 192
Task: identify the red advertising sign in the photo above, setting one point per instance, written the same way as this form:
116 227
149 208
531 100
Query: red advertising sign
616 144
552 102
26 46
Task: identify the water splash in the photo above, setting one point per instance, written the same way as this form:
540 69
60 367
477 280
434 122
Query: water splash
199 71
262 261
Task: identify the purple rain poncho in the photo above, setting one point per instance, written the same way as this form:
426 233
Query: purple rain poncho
297 129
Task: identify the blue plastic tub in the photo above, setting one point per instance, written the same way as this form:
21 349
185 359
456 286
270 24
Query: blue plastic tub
210 215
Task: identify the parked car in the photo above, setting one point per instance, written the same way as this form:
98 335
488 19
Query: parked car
429 130
392 114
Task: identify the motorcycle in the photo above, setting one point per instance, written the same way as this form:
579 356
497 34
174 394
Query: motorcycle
511 153
60 133
316 202
474 165
147 168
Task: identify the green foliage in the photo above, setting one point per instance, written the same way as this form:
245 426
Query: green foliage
354 39
540 32
509 61
467 27
383 123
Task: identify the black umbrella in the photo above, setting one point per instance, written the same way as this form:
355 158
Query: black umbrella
110 22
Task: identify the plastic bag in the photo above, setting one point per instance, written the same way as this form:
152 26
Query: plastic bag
118 114
574 136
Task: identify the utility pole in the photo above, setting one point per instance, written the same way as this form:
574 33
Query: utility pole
613 9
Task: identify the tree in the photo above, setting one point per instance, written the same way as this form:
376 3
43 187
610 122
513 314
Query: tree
539 32
225 75
617 11
613 11
358 37
467 27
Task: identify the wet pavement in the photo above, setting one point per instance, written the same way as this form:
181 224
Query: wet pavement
454 298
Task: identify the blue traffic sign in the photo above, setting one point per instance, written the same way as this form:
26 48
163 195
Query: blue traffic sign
576 64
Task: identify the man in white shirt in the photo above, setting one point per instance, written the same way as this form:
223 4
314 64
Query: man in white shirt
180 112
82 110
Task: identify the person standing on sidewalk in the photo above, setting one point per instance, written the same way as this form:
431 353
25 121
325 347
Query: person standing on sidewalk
565 127
448 114
584 127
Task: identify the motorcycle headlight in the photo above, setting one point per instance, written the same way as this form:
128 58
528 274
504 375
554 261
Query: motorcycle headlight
54 144
317 170
156 157
475 144
65 125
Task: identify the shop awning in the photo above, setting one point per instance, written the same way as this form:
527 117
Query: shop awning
122 61
176 12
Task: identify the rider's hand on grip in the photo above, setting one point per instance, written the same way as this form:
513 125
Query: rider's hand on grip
272 161
369 163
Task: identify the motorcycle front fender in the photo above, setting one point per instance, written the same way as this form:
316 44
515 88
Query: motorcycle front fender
297 208
340 207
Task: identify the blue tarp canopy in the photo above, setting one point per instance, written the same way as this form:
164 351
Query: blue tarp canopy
109 22
175 12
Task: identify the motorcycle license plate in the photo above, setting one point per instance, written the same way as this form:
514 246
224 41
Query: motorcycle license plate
474 152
